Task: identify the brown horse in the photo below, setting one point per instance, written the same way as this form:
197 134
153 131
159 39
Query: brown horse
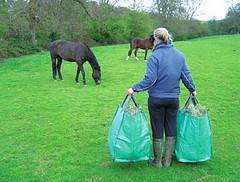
145 44
77 52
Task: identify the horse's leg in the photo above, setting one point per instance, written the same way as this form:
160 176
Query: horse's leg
145 57
59 63
77 75
80 68
83 76
54 67
135 53
129 53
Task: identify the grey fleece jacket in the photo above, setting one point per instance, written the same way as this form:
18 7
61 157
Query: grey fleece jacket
166 66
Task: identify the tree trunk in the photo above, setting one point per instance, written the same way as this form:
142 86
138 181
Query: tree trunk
33 20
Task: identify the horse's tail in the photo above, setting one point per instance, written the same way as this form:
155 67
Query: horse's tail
49 46
86 46
130 44
131 49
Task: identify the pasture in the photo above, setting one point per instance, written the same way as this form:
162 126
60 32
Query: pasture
58 130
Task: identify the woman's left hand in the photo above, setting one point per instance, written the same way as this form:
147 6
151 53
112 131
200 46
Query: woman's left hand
194 93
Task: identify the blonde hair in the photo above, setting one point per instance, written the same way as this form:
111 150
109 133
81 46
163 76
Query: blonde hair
163 35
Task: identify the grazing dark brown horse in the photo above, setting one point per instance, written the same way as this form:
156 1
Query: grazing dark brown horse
145 44
77 52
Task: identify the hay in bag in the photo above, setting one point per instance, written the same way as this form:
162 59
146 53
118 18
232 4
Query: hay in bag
194 133
129 135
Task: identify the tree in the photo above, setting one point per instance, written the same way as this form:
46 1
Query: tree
137 5
191 8
99 22
3 16
84 6
214 26
32 11
108 26
182 9
139 24
17 27
166 8
232 20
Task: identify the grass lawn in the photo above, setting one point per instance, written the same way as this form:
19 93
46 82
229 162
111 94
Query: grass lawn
58 130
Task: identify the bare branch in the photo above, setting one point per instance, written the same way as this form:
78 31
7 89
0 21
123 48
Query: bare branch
84 7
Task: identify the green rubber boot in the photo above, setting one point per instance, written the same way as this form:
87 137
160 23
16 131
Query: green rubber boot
169 148
157 150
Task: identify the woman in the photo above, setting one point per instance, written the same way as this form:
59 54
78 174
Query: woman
166 66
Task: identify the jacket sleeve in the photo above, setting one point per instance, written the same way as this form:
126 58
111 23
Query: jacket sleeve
150 76
187 79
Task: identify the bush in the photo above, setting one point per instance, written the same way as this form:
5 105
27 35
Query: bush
16 48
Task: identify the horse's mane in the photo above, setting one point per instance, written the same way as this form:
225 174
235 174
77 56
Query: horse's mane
90 56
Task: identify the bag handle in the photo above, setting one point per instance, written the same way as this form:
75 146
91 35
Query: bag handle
193 99
127 100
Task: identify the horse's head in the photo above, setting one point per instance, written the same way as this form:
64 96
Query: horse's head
97 75
151 38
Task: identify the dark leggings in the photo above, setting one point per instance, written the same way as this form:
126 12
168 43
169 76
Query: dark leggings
163 116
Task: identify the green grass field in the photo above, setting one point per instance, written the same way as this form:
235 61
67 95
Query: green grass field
58 130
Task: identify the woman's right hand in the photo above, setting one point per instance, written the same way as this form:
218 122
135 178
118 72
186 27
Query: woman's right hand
130 91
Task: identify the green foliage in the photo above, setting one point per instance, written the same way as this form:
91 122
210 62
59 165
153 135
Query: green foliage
17 22
98 23
104 23
229 25
214 27
186 29
232 21
16 48
53 36
105 27
139 24
57 130
119 25
3 16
